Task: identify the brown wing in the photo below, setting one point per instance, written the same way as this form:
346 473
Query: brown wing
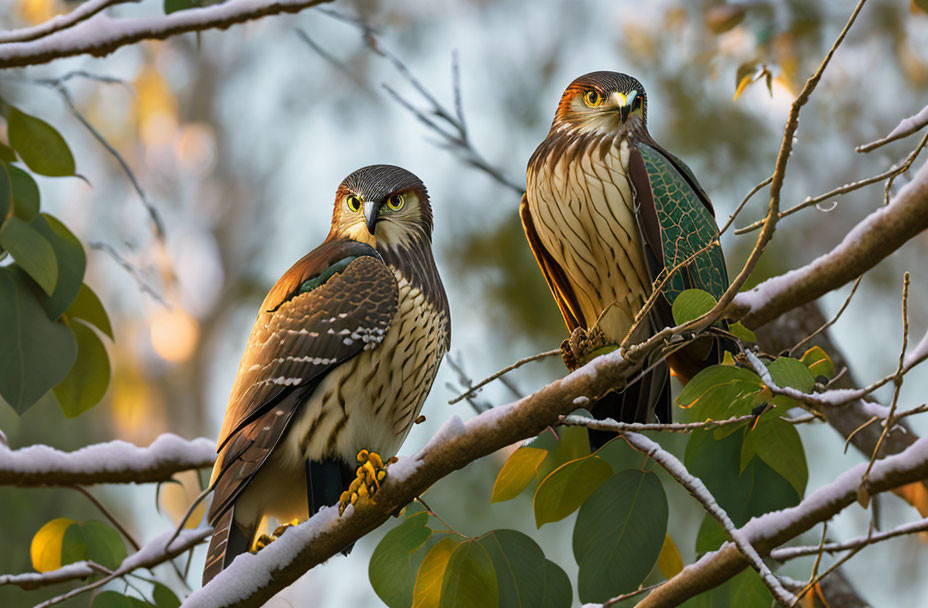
554 274
332 305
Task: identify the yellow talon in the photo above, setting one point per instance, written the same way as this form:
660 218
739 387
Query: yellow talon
370 473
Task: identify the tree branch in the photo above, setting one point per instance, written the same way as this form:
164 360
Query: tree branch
59 22
873 239
773 529
111 462
100 35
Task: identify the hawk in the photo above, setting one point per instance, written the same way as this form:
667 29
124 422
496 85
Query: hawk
607 212
341 357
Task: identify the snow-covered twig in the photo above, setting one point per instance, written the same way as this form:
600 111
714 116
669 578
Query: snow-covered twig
100 35
773 529
110 462
154 552
788 553
701 493
59 22
70 572
874 238
672 427
909 125
473 389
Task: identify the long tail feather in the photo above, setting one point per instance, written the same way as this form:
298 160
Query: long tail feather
229 539
647 400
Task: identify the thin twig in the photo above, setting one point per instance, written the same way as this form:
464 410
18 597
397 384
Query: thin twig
788 553
109 516
625 596
438 517
60 22
505 370
889 174
134 272
831 322
863 496
466 382
744 201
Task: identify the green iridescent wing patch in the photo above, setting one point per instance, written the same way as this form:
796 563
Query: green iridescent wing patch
686 228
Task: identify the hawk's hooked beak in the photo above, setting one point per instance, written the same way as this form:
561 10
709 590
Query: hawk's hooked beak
371 215
624 103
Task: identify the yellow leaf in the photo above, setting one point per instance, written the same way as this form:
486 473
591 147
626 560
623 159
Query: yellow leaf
46 544
669 561
743 78
517 472
916 495
427 591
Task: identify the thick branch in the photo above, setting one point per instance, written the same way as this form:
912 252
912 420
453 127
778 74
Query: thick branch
878 235
773 529
111 462
101 35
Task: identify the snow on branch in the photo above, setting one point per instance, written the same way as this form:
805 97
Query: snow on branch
788 553
905 128
157 551
773 529
100 35
874 238
110 462
59 22
34 580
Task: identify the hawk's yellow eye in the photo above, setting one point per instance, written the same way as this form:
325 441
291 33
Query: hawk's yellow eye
396 202
354 203
592 98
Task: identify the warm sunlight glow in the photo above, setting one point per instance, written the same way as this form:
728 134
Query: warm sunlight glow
174 334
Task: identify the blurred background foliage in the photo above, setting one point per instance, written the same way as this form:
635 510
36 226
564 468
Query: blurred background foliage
239 139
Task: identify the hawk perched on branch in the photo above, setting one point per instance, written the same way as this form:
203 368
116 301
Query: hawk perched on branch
607 211
343 353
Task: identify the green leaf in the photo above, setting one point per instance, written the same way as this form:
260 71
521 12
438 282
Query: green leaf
392 569
469 581
431 574
25 194
86 383
749 591
711 535
563 444
619 534
791 373
7 154
722 391
741 332
691 304
818 361
922 4
71 262
172 6
524 577
87 306
39 145
564 490
6 192
35 352
114 599
45 549
518 471
94 541
32 252
164 597
777 443
621 456
743 494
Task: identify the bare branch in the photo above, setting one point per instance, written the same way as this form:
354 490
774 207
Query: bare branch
874 238
100 35
110 462
890 174
673 427
473 389
788 553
